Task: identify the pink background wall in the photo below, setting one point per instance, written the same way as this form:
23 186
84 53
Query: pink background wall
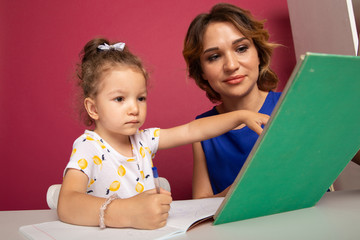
39 46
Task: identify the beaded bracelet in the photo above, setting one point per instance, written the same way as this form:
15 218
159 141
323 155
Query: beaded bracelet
103 208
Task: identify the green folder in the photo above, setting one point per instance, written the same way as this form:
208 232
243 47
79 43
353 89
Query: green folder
312 134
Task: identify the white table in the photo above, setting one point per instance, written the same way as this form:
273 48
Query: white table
336 216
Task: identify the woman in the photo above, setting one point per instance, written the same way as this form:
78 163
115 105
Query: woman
228 55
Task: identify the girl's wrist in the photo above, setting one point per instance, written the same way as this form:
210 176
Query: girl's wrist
103 208
117 215
242 116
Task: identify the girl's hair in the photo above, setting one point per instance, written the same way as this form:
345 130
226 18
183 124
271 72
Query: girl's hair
248 26
95 62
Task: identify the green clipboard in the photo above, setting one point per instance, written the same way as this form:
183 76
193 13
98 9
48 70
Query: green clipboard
311 136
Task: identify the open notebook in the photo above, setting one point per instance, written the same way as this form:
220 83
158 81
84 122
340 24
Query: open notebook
182 216
313 133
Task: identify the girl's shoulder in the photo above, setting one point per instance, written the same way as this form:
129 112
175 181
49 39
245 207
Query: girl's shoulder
146 139
147 134
88 140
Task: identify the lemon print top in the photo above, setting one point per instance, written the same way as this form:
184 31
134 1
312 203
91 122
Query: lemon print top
108 171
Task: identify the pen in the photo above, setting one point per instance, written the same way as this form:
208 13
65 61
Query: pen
156 179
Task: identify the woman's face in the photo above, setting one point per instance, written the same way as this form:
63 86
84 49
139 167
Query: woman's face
230 61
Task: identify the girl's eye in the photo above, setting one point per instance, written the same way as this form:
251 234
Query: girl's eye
142 99
119 99
242 48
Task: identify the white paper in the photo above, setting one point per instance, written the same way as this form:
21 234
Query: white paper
181 216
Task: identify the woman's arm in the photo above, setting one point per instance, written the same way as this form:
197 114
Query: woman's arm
201 182
356 158
147 210
201 187
209 127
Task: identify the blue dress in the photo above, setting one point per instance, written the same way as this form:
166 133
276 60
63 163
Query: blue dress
226 154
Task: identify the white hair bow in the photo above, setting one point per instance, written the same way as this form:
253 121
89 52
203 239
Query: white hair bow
117 46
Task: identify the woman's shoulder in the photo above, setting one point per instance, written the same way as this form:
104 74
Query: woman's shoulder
209 113
273 97
271 100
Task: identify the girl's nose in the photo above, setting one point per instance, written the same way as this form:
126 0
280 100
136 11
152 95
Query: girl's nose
133 108
231 63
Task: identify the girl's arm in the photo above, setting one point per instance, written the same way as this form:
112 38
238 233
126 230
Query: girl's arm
209 127
201 182
147 210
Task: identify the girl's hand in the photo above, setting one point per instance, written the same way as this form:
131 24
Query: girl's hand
255 120
148 210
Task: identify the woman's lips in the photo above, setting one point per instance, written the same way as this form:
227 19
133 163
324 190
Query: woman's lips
235 79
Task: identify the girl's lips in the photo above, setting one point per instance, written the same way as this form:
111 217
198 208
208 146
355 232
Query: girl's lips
133 122
235 79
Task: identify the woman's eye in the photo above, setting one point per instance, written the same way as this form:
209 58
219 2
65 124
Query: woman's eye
213 57
242 48
119 99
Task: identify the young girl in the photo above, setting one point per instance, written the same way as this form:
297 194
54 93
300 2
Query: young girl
109 180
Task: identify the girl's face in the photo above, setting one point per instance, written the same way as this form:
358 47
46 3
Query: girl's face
230 61
121 102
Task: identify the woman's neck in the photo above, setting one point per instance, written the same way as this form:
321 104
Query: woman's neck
252 101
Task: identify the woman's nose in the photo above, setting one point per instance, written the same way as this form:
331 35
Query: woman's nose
231 62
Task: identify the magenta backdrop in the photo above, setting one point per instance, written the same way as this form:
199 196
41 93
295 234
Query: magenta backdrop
39 47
